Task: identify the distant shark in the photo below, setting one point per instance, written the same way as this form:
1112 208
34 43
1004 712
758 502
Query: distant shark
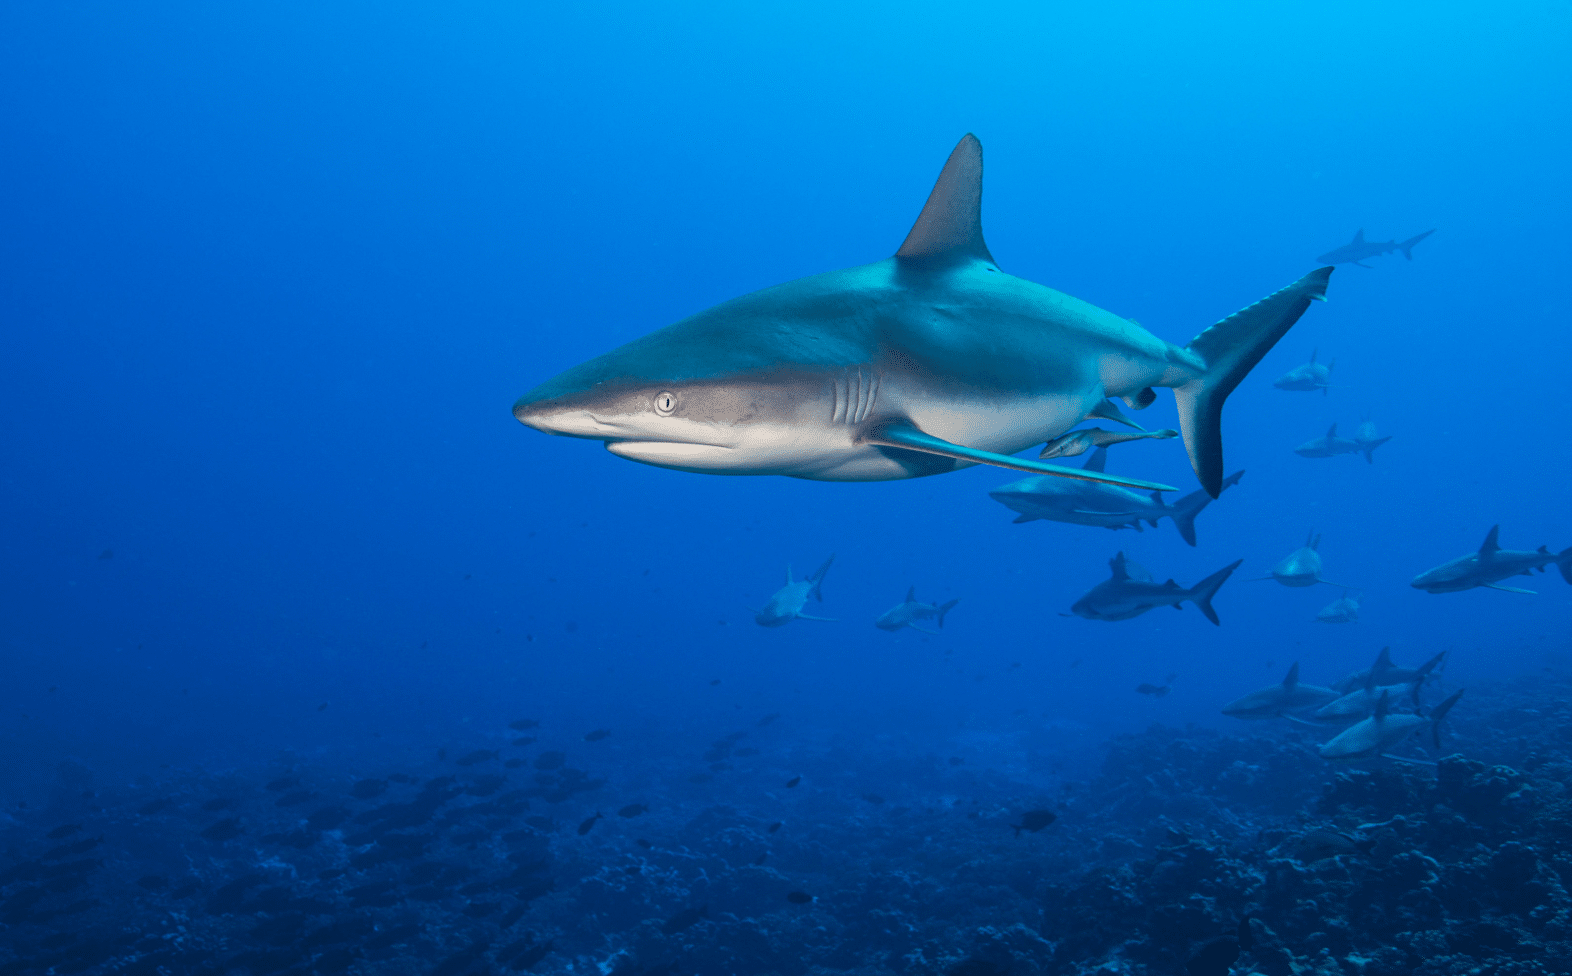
1384 729
926 362
1280 700
1490 565
1343 610
1369 439
1329 446
909 611
1090 503
1302 567
1360 702
787 603
1358 249
1308 378
1386 673
1130 592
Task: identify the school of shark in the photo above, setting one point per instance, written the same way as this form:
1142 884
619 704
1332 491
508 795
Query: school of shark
934 360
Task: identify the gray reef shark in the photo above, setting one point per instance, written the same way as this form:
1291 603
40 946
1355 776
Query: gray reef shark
1329 446
1280 700
1308 378
1386 673
1371 738
1130 592
926 362
1490 565
1361 702
1368 439
787 603
1358 249
909 611
1302 567
1109 506
1343 610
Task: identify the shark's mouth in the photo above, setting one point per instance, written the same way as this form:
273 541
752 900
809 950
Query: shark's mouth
673 454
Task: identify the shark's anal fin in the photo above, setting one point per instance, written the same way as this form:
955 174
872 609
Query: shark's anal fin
905 434
1510 589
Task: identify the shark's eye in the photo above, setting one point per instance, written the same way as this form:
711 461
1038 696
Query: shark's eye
665 403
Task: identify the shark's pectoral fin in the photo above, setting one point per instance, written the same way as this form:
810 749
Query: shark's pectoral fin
904 434
827 620
1367 267
1510 589
924 630
1405 759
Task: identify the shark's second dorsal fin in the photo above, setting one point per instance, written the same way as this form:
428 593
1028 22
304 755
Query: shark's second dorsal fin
1097 462
1490 546
1382 706
951 221
1292 678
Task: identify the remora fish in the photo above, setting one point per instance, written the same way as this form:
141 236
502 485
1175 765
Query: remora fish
906 614
1490 565
787 603
1109 506
1308 378
1383 730
1343 610
926 362
1278 701
1329 446
1081 441
1369 439
1302 567
1387 673
1358 249
1130 592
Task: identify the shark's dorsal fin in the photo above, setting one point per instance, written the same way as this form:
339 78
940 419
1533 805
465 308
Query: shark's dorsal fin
1097 462
1490 546
911 594
1292 678
1116 566
1331 432
788 574
1359 236
951 221
1382 706
1313 353
1383 660
1312 540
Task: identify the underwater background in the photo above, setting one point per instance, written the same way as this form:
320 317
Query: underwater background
273 276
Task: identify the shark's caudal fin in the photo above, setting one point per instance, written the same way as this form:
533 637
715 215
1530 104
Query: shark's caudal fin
1203 591
946 609
905 434
950 224
1230 349
1407 246
817 579
1368 447
1439 714
1187 508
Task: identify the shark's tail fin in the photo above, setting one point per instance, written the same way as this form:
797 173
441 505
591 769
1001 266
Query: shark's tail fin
1187 508
1439 714
1230 349
1564 563
817 579
946 609
1203 592
1368 447
1407 246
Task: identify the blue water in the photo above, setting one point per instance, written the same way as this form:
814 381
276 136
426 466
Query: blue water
273 275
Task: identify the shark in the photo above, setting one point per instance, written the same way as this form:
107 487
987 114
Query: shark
1302 567
787 603
1343 610
907 612
927 362
1368 439
1308 378
1280 700
1089 503
1329 446
1358 250
1360 702
1386 673
1384 729
1490 565
1130 592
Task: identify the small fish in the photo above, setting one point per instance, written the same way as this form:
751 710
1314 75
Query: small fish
775 826
322 707
1034 820
367 789
1156 691
799 897
685 919
596 735
1318 845
523 724
632 810
64 830
792 783
476 757
589 824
